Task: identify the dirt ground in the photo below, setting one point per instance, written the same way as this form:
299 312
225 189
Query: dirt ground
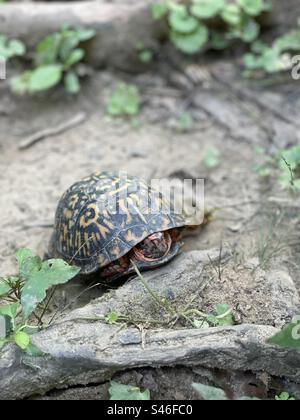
229 113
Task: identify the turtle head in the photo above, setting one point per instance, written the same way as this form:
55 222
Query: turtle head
154 251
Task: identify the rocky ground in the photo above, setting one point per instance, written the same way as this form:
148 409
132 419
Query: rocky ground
255 223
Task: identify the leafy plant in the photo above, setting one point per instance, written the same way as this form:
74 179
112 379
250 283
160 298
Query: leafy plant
286 163
185 122
221 317
145 54
284 396
22 294
288 337
190 23
124 101
120 392
56 60
275 57
11 48
211 158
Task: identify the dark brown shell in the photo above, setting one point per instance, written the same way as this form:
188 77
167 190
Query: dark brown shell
90 235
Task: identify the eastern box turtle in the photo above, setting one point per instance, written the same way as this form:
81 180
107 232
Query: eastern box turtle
103 223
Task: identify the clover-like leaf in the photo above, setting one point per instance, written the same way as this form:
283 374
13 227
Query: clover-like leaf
205 9
125 100
159 10
211 158
250 30
231 14
120 392
182 22
190 43
252 7
288 42
51 273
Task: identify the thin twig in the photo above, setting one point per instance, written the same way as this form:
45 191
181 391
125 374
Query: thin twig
52 131
155 297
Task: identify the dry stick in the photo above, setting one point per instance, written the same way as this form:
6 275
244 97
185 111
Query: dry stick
53 131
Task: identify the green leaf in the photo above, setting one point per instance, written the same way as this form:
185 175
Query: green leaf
9 310
11 48
48 49
119 392
22 340
146 56
185 122
125 100
231 14
75 56
224 317
181 21
210 393
250 30
259 47
159 11
51 273
27 262
284 396
211 158
252 7
288 337
22 256
85 34
190 43
45 77
71 82
19 84
288 42
206 9
16 47
4 287
112 317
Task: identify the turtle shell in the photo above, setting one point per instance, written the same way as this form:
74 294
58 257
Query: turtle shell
102 217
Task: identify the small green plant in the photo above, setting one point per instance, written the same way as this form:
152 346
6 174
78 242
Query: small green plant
288 337
124 101
211 158
221 317
11 48
21 295
56 60
190 22
286 163
146 55
185 122
275 57
284 396
119 392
